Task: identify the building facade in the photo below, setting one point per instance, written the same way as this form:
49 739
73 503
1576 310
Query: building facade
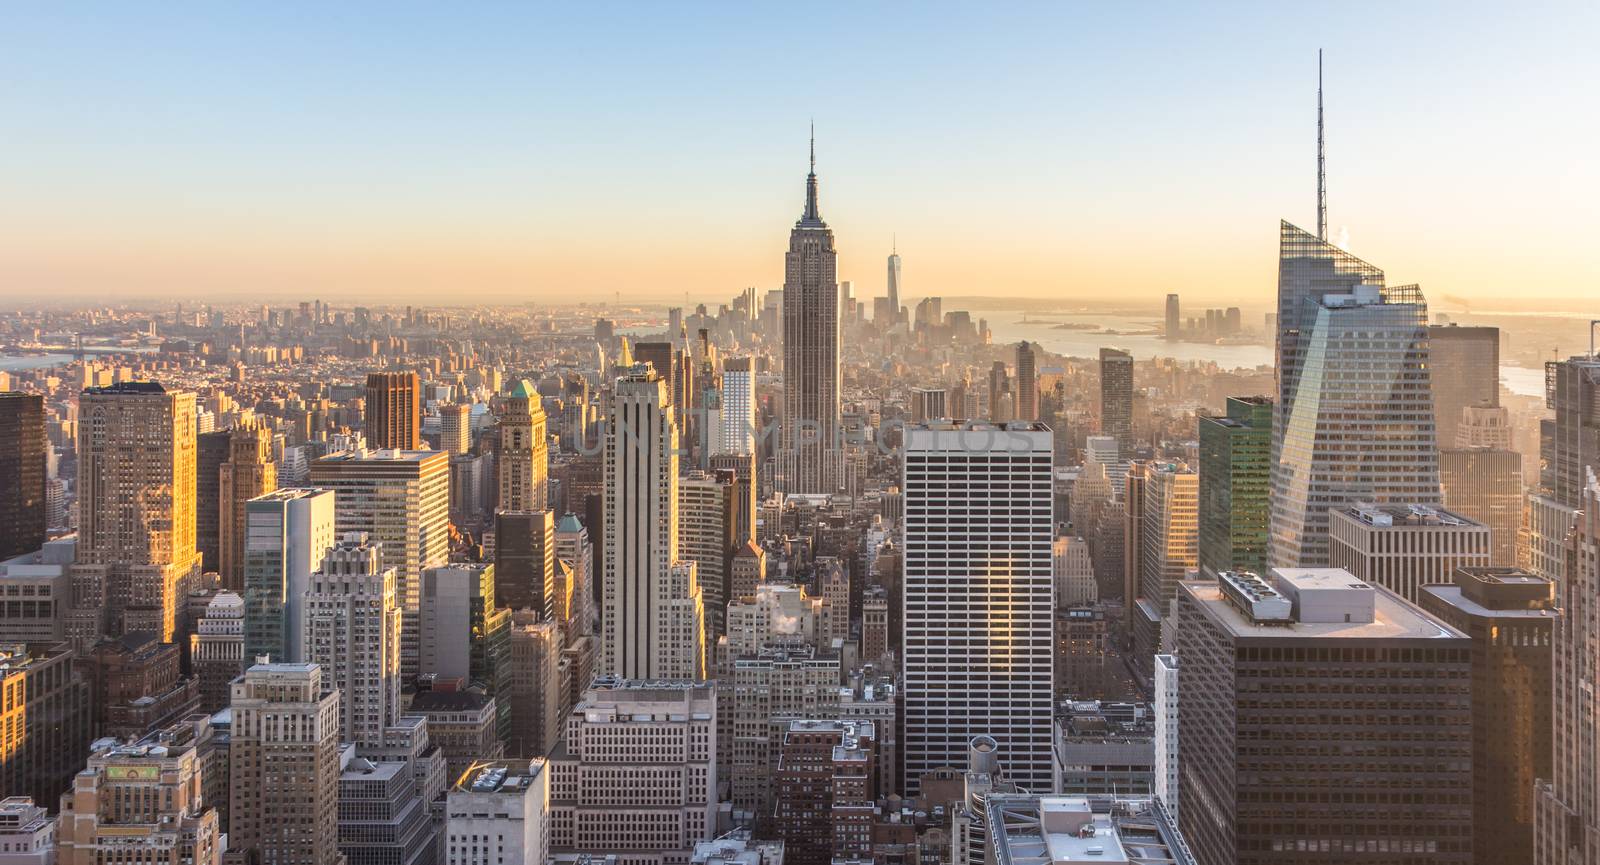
810 458
1235 477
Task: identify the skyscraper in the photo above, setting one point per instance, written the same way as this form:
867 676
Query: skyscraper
1168 539
1116 398
212 449
1464 363
1569 445
976 596
1027 382
738 408
1235 476
287 532
1174 320
1355 411
249 472
999 392
1567 814
352 631
455 428
283 774
650 611
401 501
524 455
1250 791
1404 547
893 290
136 553
393 416
707 526
525 561
810 457
22 473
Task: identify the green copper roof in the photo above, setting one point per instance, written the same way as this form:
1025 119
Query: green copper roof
524 388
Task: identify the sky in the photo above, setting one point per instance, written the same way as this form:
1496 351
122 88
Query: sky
511 152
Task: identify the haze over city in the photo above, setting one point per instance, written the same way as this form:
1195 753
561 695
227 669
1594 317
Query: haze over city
1049 151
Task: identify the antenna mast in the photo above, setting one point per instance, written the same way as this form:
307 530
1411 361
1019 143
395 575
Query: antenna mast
1322 167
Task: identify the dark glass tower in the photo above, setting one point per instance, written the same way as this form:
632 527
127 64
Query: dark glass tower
1235 475
22 473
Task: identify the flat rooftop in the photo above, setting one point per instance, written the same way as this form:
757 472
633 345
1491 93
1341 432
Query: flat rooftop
1393 619
1404 516
1057 830
1453 595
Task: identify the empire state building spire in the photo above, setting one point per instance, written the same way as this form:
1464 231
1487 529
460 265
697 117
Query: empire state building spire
812 216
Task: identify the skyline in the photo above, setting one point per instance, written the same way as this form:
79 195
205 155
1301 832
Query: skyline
239 156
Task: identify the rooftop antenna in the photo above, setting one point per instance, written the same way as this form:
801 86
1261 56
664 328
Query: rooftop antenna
1322 167
813 145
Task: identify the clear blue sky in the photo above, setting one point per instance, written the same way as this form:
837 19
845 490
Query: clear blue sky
514 152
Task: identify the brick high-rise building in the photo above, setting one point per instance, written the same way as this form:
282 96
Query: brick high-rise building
393 411
136 554
825 788
45 720
248 473
140 802
1360 767
22 473
523 457
283 767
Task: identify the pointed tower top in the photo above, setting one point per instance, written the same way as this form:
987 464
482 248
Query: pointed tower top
812 216
1322 170
814 122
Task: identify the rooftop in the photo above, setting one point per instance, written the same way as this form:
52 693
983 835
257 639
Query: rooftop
1403 515
1392 619
1055 830
511 777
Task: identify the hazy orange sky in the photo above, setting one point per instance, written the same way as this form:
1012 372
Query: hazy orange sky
517 153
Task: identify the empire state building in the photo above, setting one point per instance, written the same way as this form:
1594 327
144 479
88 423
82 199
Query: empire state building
809 455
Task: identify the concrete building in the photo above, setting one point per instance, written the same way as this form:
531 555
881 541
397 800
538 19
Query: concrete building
534 692
498 813
523 459
283 756
392 413
1103 749
1485 485
738 430
216 650
41 583
1027 382
1168 541
352 633
401 500
287 534
463 724
1030 829
1510 616
27 833
1116 398
635 774
957 594
1072 569
707 536
455 428
1261 754
1405 547
1174 320
928 403
248 473
809 456
1166 733
1235 477
761 694
137 556
1465 367
45 720
466 635
383 819
139 802
23 448
652 607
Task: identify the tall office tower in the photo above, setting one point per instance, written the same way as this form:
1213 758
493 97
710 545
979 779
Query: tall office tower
574 548
1235 476
928 404
524 457
1485 485
534 690
352 632
139 803
1249 648
1465 366
1566 811
216 649
1174 321
748 570
136 508
1569 443
743 466
738 408
287 532
1404 547
1169 530
809 455
1027 382
249 472
894 291
45 722
1166 733
1510 615
971 577
642 616
455 428
393 413
525 561
999 387
499 812
22 473
706 536
401 500
758 694
283 767
1359 421
664 731
212 449
826 792
1116 398
1073 573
